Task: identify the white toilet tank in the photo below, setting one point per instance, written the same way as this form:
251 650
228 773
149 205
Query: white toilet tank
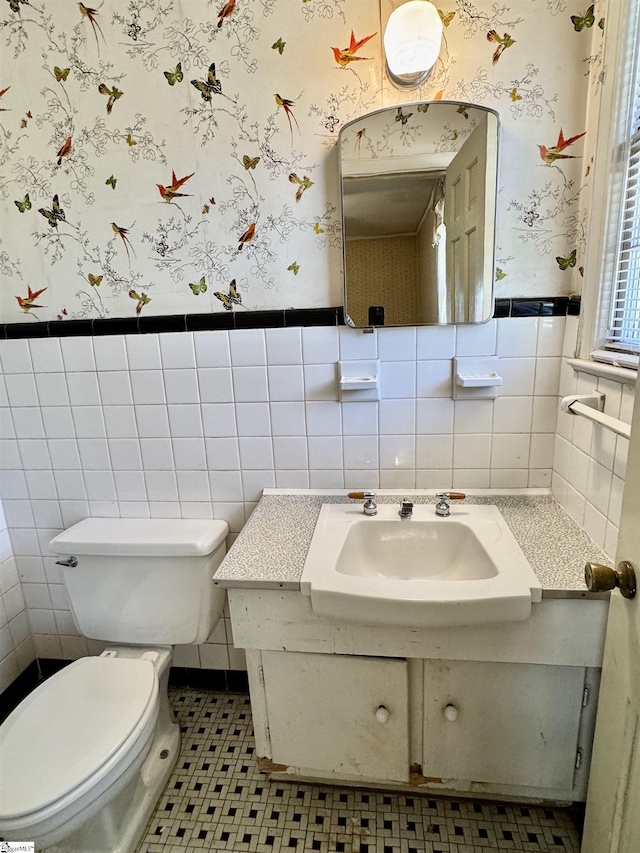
140 580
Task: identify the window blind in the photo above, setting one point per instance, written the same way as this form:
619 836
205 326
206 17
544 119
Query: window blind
623 333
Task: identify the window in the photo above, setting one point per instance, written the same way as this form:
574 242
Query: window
620 341
624 317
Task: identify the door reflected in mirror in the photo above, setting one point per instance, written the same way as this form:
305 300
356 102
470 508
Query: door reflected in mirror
419 184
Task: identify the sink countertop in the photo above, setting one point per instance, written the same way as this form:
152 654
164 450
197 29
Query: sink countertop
271 550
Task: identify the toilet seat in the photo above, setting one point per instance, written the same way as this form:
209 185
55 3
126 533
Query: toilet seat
100 712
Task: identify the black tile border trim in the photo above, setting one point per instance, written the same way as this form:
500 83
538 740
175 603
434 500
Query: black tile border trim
553 306
221 680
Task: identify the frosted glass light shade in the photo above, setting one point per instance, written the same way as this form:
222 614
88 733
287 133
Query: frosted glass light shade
412 42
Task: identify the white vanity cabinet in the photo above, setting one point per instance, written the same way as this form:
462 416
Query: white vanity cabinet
338 714
495 710
502 723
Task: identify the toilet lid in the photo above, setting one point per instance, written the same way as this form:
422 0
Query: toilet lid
65 730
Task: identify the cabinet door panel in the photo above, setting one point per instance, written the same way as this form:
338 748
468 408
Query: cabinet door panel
516 724
322 714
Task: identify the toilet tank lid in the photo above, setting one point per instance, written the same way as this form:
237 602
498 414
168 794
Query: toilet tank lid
148 537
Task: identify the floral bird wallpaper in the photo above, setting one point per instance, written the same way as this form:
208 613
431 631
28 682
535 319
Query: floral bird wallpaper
179 156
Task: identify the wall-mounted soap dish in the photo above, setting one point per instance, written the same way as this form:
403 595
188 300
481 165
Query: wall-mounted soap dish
359 380
476 377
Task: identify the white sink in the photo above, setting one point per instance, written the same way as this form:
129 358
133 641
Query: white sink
466 569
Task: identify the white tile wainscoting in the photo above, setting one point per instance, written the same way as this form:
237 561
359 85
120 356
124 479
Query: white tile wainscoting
196 424
590 461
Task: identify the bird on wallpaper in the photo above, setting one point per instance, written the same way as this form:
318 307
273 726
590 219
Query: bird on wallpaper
171 192
113 94
247 237
226 10
550 155
286 105
65 150
303 184
15 4
90 15
503 43
28 302
122 233
141 298
345 55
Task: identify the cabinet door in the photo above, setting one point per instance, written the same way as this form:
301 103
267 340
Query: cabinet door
322 714
510 724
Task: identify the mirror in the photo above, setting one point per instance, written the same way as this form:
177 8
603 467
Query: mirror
419 185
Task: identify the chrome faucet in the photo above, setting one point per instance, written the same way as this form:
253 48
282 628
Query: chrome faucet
369 507
406 508
443 509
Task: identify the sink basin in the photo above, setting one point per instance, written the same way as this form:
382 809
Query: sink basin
466 569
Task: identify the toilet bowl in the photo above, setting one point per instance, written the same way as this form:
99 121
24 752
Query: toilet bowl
102 730
87 754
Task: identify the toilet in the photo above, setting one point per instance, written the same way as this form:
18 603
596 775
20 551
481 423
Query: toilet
87 754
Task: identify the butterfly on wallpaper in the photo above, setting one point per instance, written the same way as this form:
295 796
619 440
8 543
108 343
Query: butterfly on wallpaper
113 93
25 120
55 215
250 162
231 298
130 140
175 76
331 122
111 182
294 267
601 24
141 298
446 18
94 280
23 205
403 117
513 94
61 74
566 263
62 314
317 229
200 287
423 108
500 274
463 110
207 207
586 21
278 45
210 86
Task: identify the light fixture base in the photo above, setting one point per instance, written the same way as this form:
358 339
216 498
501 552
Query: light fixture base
404 82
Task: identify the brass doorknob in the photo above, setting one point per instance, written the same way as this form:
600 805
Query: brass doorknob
599 578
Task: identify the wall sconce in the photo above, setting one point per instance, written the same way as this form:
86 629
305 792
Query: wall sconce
412 40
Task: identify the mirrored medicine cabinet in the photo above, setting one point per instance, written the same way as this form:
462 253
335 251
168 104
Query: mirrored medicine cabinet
418 194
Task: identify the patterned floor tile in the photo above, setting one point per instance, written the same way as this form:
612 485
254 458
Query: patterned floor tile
216 799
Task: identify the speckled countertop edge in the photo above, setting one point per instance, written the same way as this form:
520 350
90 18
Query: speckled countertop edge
272 548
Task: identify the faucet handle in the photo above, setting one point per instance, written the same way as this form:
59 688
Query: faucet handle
369 507
451 496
